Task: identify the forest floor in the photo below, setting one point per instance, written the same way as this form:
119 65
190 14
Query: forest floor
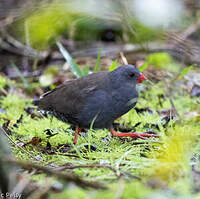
100 166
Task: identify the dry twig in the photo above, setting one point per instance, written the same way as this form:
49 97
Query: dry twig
62 176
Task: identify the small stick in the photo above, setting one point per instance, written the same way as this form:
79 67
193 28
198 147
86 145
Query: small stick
124 60
72 166
3 91
63 176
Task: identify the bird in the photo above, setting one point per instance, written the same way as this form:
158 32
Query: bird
95 100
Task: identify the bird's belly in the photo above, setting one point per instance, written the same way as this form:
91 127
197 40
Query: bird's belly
122 108
102 109
97 112
123 101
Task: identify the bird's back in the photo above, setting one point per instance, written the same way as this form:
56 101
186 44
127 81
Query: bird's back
68 99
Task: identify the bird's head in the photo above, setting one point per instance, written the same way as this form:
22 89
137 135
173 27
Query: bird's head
128 74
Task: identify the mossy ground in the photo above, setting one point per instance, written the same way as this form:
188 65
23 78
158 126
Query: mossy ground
160 168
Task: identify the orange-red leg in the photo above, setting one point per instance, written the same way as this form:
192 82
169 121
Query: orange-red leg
77 131
133 135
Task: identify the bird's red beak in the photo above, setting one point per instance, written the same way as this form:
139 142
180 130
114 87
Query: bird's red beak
141 78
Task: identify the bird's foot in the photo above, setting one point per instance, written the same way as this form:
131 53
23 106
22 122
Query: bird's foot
133 135
77 131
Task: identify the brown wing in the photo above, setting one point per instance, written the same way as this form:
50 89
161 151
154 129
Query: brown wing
69 98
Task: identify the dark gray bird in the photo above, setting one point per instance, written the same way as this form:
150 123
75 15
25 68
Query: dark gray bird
97 99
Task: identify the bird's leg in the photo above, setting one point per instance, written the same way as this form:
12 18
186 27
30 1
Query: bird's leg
133 135
77 131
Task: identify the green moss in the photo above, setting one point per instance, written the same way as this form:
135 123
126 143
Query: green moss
141 160
14 106
3 82
160 61
134 190
143 33
41 27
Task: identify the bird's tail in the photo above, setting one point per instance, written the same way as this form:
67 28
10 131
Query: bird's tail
41 104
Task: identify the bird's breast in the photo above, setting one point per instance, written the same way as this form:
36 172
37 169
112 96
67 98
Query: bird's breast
123 100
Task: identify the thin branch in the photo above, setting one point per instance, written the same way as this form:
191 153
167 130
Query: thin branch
72 166
62 176
10 44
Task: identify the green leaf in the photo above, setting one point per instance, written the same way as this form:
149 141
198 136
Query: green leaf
96 68
85 70
144 67
184 72
113 66
76 70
